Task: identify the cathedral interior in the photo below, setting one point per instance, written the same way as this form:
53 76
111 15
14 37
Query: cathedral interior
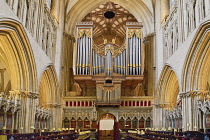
105 69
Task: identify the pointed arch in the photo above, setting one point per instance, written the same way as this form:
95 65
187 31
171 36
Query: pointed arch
16 54
197 64
168 87
49 91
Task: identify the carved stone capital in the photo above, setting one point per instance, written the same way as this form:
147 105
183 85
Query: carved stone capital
182 95
72 38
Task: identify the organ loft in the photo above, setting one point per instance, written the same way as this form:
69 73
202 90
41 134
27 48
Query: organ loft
112 67
104 69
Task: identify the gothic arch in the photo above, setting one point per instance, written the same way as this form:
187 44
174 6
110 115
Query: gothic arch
197 64
79 10
16 54
168 87
49 92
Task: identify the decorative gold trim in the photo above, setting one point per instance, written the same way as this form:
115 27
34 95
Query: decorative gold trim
106 89
134 65
119 50
131 32
103 52
108 69
99 51
82 32
111 48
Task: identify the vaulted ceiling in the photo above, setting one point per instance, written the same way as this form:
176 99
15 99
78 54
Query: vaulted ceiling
79 10
109 20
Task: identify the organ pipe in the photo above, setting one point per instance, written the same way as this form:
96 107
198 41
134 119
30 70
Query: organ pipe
84 40
134 51
98 63
123 60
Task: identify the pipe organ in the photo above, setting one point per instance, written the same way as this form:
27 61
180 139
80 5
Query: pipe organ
105 65
134 50
84 43
98 63
124 59
120 63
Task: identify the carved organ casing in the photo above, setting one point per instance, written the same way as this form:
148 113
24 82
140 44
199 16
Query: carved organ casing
108 64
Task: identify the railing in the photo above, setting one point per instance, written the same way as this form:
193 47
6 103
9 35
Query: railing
136 101
89 101
183 18
37 19
82 101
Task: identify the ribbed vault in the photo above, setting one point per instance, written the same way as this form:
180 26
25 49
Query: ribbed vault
82 7
197 64
16 54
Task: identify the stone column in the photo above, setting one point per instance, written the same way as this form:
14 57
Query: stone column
17 121
150 64
180 21
189 110
30 111
55 8
204 122
67 71
207 6
55 120
5 118
13 118
184 114
27 109
159 115
165 8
